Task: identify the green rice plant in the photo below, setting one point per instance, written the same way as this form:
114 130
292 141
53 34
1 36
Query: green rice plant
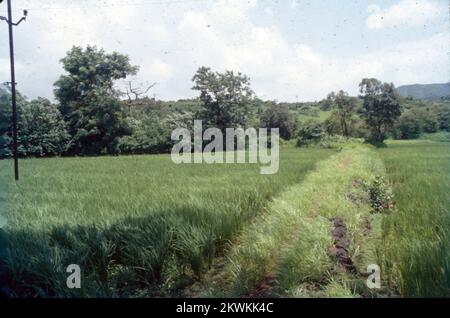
138 226
415 250
292 240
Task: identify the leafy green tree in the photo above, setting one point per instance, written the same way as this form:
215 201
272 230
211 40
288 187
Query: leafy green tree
150 136
344 106
88 101
356 126
43 130
226 98
6 140
381 108
409 126
327 103
278 116
310 132
442 111
431 123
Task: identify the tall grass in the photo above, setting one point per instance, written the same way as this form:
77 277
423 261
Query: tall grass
416 245
137 226
290 244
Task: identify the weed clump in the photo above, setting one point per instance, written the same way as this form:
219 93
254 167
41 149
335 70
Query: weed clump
381 197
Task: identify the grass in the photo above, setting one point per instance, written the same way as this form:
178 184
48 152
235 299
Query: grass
442 136
416 247
137 226
141 226
286 251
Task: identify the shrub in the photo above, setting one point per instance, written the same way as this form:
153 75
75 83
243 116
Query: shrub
380 195
310 133
409 126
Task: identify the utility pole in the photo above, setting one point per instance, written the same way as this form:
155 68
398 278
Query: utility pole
13 83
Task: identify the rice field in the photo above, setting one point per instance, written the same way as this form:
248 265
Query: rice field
141 226
416 239
137 226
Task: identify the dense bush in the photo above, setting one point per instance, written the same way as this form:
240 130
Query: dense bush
408 126
149 136
414 122
356 126
42 129
310 132
278 116
89 102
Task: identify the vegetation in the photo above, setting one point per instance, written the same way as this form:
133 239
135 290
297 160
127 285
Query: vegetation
429 91
380 109
141 226
91 118
226 98
89 102
138 226
415 249
279 116
289 250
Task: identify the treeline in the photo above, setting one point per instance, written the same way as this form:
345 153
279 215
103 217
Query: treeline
404 118
92 116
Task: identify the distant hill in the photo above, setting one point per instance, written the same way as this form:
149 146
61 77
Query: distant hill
426 91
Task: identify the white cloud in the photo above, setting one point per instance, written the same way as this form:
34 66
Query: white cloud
170 45
269 11
404 13
282 70
294 4
159 70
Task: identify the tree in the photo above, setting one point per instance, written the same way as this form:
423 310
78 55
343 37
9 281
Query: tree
226 98
344 107
88 101
134 94
278 116
381 108
409 126
310 132
327 103
43 130
442 111
6 149
150 135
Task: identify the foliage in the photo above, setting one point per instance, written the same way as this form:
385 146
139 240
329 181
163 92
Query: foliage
381 108
356 126
380 195
442 111
42 129
149 136
409 126
226 98
442 136
88 100
291 242
310 132
415 251
345 107
414 122
139 226
278 116
6 139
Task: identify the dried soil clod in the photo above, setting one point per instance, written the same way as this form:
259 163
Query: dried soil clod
340 249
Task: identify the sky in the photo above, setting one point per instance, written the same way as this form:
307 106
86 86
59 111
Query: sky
292 50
